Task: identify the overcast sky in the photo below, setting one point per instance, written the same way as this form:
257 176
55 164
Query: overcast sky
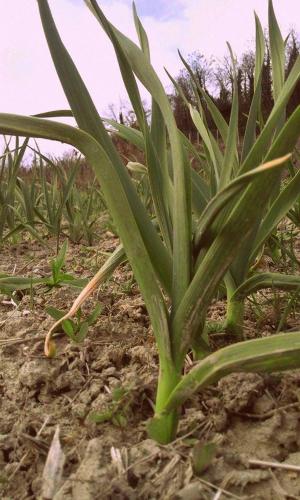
28 82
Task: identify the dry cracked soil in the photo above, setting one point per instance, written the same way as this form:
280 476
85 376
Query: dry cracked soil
98 395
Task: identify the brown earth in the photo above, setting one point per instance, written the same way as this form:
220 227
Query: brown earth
249 417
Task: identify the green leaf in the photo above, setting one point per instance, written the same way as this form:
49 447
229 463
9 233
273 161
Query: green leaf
203 455
266 280
255 111
279 208
100 418
59 261
82 332
181 209
95 314
221 200
68 325
216 261
227 170
259 50
277 52
143 39
200 194
120 420
54 313
194 83
118 393
200 125
68 280
88 119
132 135
275 353
284 143
260 149
217 116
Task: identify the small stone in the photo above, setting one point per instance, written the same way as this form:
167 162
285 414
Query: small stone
10 468
101 401
192 491
95 388
36 486
69 380
85 397
113 382
240 390
38 371
79 410
263 405
39 300
108 372
220 420
293 459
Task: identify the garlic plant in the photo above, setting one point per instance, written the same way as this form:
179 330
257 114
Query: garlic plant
180 258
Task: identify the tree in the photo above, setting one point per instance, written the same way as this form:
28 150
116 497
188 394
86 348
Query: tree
292 52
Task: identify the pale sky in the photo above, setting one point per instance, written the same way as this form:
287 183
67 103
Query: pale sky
28 82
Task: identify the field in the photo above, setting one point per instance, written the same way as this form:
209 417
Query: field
258 421
149 335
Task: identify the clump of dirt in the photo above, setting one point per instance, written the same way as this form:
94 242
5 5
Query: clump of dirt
100 393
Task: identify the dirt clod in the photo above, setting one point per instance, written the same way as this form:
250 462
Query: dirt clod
113 374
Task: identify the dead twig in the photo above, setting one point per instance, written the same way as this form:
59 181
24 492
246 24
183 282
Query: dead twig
263 416
274 465
217 488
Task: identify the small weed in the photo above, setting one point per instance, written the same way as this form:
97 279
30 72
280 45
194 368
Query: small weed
76 329
117 411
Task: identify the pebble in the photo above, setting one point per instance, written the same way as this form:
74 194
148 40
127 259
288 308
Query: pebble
38 371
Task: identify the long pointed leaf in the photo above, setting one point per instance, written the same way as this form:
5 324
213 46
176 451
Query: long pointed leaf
118 205
226 195
182 212
88 119
254 111
266 280
280 207
277 52
276 353
262 144
217 260
227 170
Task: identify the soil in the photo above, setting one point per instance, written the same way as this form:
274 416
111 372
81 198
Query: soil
94 398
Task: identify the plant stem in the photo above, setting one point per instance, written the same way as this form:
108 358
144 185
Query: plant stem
235 310
200 342
235 318
165 430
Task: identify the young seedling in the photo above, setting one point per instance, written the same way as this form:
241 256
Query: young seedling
117 411
76 330
10 284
